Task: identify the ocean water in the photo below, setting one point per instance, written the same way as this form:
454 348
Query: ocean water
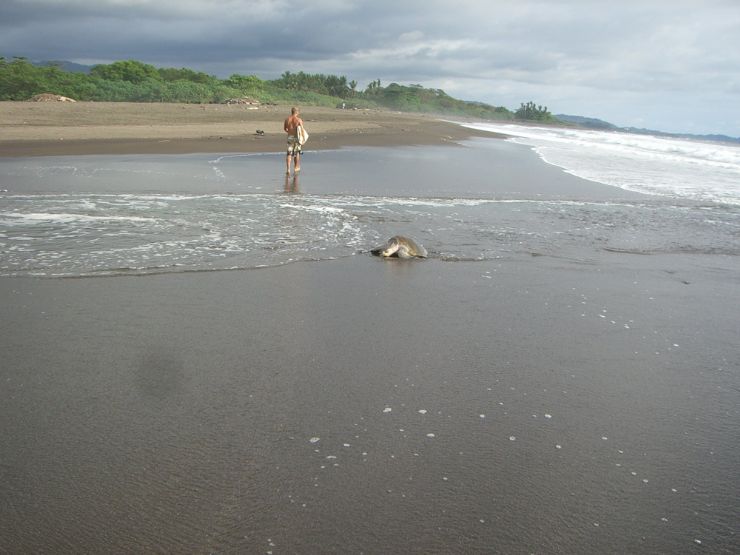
487 199
671 167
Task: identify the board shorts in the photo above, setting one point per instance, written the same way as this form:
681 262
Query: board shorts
294 147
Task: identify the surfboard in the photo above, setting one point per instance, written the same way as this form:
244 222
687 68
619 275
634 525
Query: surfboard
302 135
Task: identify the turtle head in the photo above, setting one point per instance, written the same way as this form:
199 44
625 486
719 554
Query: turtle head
391 248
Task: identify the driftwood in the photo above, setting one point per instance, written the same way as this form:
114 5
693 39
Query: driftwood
49 97
243 100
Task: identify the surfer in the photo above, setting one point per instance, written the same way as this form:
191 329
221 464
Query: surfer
292 122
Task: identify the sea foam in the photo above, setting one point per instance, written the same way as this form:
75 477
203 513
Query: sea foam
666 166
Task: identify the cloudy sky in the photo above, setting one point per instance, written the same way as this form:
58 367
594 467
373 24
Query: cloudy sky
672 65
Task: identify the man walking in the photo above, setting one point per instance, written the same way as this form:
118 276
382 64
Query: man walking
294 146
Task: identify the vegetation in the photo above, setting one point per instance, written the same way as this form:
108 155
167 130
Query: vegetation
121 81
531 112
135 81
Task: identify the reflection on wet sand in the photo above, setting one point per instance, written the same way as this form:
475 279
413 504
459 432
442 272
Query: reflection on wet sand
291 184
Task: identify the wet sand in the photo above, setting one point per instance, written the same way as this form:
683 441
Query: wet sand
56 129
363 405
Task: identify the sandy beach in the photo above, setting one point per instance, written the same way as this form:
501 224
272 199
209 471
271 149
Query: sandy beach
226 369
368 406
49 128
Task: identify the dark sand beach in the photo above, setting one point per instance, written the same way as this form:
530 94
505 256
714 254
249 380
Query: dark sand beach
562 397
58 129
248 411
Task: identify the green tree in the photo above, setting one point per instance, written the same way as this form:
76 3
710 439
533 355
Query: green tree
185 74
373 87
20 80
530 111
336 86
245 83
127 70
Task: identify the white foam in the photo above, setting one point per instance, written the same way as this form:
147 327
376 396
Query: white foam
700 170
34 217
310 208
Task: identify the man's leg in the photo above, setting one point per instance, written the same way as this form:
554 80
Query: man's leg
287 163
297 161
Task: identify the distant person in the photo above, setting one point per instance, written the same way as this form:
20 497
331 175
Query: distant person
294 146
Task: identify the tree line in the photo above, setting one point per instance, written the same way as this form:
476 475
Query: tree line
530 111
128 80
134 81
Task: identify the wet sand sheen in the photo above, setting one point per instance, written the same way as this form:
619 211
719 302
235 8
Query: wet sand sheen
370 405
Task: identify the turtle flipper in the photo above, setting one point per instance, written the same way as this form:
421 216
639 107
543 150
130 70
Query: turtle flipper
403 252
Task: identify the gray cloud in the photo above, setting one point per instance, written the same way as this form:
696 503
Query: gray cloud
609 60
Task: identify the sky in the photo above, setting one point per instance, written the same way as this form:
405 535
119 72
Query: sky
669 65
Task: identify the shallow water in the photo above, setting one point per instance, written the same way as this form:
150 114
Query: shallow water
487 200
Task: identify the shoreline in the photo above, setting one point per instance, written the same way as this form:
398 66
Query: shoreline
61 129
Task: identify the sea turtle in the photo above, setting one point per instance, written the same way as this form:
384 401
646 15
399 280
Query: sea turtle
401 247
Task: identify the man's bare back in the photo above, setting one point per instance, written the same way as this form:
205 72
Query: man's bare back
291 124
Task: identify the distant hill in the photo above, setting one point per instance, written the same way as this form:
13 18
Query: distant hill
590 123
594 123
64 66
711 137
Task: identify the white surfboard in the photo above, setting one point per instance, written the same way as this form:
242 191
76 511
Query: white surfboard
302 135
